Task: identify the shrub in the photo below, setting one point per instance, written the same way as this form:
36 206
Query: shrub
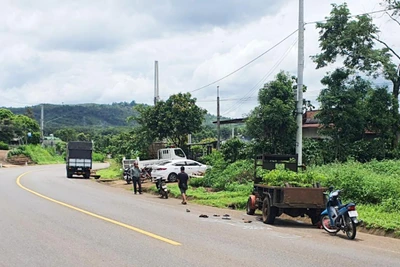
4 146
196 182
99 157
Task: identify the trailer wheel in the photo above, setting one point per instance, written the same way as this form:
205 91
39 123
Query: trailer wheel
268 212
249 207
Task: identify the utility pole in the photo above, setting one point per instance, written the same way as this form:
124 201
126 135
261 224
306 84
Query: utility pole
41 123
299 96
218 121
156 85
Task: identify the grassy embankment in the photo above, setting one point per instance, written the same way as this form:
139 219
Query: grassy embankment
40 155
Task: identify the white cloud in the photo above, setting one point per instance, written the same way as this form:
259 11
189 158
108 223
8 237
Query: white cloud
104 51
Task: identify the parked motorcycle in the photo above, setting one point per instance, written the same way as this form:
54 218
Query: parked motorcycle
127 175
162 187
338 217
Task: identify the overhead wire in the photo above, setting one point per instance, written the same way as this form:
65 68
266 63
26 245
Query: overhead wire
245 65
261 81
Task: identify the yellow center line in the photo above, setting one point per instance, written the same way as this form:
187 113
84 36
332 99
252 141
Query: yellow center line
169 241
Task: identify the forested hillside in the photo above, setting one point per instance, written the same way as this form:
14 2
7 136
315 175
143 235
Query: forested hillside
87 115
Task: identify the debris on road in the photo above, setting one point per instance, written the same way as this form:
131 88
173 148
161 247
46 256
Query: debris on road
203 216
187 210
216 215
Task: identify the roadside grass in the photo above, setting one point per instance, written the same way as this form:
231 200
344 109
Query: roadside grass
38 154
111 173
201 195
374 218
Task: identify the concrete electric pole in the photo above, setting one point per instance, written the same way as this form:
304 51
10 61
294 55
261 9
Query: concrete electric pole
218 121
299 96
156 85
41 123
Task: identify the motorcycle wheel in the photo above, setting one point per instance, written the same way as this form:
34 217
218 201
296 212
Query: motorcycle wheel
326 223
166 194
351 229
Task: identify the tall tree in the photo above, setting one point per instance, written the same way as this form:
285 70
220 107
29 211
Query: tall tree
172 119
272 123
357 41
343 114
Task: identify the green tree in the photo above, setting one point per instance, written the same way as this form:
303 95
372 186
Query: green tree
233 150
343 114
356 40
6 125
29 113
172 119
272 123
379 106
25 125
66 134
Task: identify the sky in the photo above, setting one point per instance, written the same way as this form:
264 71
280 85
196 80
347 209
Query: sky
103 51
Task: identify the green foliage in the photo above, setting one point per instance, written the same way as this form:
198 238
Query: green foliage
197 182
272 123
374 183
98 157
38 154
18 126
174 119
3 146
233 150
228 177
374 217
222 199
300 179
354 38
114 171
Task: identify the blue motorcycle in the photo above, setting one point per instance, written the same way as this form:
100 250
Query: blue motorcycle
338 217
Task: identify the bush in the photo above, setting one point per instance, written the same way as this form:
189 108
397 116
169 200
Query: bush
374 183
99 157
3 146
196 182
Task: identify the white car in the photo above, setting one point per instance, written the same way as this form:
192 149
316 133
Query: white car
169 170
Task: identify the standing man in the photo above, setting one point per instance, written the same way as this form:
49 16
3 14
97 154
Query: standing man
183 183
135 174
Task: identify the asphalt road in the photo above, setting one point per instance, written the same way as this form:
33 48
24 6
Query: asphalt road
49 220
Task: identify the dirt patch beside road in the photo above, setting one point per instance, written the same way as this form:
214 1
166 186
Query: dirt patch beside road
3 159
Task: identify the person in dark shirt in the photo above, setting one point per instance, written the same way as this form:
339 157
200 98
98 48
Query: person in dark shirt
183 183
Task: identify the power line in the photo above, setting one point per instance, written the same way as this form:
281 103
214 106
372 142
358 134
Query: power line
245 65
248 94
228 99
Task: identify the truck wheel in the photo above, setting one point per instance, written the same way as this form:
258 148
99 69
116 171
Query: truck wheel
315 219
86 175
69 175
172 177
268 212
249 210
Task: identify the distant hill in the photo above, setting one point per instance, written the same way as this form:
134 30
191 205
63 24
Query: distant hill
83 115
88 115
